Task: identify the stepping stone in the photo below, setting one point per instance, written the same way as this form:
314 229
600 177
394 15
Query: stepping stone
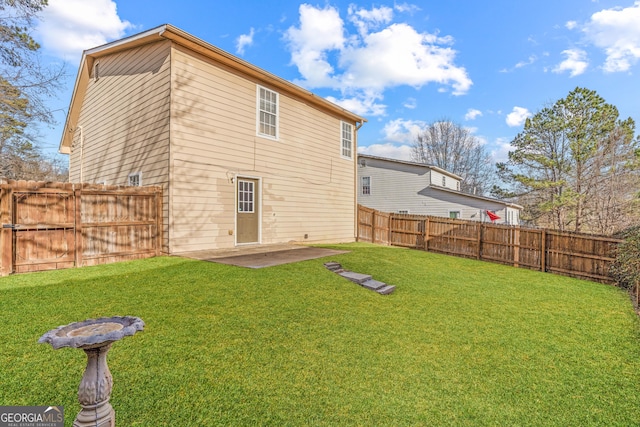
374 285
355 277
386 290
333 266
363 280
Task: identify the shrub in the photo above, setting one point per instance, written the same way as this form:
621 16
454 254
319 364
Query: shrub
626 267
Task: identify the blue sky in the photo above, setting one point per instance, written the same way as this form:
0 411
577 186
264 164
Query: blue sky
486 65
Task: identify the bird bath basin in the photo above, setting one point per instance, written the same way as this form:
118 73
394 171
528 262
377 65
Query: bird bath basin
95 337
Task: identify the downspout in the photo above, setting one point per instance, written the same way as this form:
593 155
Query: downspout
81 152
355 178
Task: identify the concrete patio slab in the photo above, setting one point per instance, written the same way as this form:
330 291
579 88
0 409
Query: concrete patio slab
263 256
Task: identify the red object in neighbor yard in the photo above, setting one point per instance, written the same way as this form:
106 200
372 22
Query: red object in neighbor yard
492 216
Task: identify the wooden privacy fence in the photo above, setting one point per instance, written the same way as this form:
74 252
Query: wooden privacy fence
573 254
49 225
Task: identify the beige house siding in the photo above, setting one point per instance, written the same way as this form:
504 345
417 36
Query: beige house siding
184 114
123 125
305 186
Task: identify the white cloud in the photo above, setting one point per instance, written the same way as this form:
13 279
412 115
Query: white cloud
378 56
570 25
67 27
530 60
389 150
406 7
576 62
617 31
517 116
361 105
500 151
320 31
399 55
472 114
243 41
365 20
410 103
403 131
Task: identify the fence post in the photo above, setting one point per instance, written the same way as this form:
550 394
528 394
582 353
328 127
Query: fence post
516 246
373 226
159 232
479 255
77 225
6 234
543 251
426 235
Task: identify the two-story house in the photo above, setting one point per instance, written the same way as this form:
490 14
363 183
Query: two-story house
244 157
400 186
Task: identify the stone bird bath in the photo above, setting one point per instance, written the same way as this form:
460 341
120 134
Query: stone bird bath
95 337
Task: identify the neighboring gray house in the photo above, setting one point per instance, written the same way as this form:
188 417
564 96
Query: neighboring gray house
400 186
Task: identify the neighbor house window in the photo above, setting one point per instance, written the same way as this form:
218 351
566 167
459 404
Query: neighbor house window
267 113
347 140
366 185
454 214
135 179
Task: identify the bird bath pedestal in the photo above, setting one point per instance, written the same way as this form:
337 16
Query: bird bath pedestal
95 337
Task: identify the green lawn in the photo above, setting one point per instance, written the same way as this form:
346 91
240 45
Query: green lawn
459 343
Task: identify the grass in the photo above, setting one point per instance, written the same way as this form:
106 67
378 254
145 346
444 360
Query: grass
460 343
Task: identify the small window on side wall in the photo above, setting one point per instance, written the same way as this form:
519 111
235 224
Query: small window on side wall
454 214
366 185
135 179
347 140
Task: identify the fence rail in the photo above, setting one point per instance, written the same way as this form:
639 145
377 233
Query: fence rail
573 254
47 225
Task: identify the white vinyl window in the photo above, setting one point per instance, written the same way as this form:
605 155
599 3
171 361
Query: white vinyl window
366 185
135 179
267 113
246 196
454 214
347 140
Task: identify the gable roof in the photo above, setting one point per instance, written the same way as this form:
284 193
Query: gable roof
474 196
440 188
178 36
405 162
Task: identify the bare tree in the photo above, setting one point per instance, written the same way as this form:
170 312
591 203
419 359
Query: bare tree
453 148
25 86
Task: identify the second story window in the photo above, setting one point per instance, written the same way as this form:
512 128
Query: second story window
267 113
347 140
